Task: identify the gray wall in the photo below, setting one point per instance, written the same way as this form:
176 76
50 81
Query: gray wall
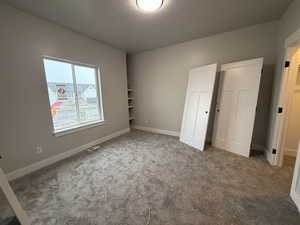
288 24
25 116
159 77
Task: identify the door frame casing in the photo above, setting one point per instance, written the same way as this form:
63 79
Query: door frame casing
296 180
296 176
291 45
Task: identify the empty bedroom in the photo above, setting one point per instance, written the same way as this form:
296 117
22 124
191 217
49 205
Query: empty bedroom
149 112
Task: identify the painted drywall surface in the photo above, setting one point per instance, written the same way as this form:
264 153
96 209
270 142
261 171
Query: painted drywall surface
288 24
261 125
25 116
159 77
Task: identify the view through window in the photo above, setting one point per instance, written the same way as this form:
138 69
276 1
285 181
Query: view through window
73 93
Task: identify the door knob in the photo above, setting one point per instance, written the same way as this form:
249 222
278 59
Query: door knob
218 110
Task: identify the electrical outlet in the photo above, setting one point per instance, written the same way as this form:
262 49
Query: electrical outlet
39 150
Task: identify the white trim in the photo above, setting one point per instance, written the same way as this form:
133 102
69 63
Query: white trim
290 152
280 128
253 62
294 195
12 199
78 128
68 61
75 93
47 162
270 157
280 119
158 131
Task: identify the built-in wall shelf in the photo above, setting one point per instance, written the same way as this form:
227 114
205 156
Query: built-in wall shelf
130 105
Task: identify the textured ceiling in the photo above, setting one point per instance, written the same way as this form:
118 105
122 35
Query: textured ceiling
120 24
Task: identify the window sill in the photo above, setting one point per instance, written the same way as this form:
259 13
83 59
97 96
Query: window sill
77 129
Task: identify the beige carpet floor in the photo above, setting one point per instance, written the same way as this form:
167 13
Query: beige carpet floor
127 176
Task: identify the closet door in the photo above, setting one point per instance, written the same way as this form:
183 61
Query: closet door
236 106
197 106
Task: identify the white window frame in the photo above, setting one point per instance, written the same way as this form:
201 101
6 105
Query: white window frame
80 126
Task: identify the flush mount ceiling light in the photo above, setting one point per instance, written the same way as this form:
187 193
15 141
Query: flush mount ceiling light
149 5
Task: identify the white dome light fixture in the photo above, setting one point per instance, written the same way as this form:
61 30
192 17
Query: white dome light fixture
149 5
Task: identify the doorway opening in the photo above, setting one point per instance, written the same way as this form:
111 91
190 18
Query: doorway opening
288 121
291 132
287 125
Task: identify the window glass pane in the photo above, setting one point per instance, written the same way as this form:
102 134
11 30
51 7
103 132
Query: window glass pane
87 94
61 94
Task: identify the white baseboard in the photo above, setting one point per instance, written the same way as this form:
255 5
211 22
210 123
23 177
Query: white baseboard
270 157
47 162
290 152
158 131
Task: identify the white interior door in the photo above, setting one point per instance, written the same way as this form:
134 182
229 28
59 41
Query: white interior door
197 105
236 106
295 190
